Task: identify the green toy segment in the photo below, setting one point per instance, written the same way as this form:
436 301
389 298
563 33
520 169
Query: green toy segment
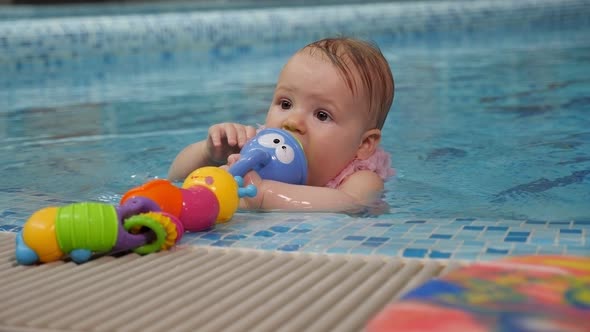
92 226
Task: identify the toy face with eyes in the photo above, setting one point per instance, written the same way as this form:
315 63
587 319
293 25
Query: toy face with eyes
276 155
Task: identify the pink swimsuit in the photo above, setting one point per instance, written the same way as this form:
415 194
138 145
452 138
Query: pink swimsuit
379 162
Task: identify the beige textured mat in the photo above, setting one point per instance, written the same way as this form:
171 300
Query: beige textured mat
204 289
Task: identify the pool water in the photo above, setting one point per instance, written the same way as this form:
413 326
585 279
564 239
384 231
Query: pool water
488 132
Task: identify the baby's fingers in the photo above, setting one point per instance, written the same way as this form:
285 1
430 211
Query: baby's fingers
244 134
223 131
231 133
249 133
216 133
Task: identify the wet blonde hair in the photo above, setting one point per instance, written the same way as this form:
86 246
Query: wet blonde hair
370 64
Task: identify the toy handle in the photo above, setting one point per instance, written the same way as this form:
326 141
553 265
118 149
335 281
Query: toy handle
254 160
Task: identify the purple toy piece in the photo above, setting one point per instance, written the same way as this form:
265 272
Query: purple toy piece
134 206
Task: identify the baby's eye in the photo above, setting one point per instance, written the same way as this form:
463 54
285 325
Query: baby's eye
286 105
322 116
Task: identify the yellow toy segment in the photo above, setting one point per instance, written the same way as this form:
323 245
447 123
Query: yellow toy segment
223 185
39 235
166 223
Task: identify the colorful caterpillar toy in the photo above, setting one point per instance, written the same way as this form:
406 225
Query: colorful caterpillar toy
154 216
150 218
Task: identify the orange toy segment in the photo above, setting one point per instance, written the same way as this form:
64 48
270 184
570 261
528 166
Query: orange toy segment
162 192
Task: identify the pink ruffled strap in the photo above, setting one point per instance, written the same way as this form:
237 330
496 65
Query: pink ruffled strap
379 162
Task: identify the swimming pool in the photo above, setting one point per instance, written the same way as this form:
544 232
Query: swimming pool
488 129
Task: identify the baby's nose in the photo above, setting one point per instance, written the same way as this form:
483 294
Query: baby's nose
293 125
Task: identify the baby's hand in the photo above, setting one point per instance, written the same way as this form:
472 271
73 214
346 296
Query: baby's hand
227 138
233 158
230 161
252 178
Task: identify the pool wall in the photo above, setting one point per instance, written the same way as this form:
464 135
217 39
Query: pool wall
51 45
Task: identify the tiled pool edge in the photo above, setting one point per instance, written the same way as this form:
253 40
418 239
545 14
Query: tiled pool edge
468 239
461 238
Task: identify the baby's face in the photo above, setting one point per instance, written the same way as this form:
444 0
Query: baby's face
312 101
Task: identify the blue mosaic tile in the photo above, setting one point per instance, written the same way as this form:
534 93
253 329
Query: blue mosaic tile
289 247
264 234
497 251
222 243
415 221
462 221
519 234
439 254
301 230
570 231
480 222
536 222
497 228
211 236
234 237
515 239
377 239
441 236
415 253
280 229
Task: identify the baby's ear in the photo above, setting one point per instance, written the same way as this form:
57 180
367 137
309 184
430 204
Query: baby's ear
369 144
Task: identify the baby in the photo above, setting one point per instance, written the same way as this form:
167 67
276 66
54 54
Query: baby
334 96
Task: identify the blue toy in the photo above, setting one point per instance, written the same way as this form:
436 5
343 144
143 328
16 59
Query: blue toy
274 154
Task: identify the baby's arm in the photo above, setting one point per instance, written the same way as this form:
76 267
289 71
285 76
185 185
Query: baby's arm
358 191
222 140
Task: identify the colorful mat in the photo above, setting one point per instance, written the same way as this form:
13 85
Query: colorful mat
529 293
